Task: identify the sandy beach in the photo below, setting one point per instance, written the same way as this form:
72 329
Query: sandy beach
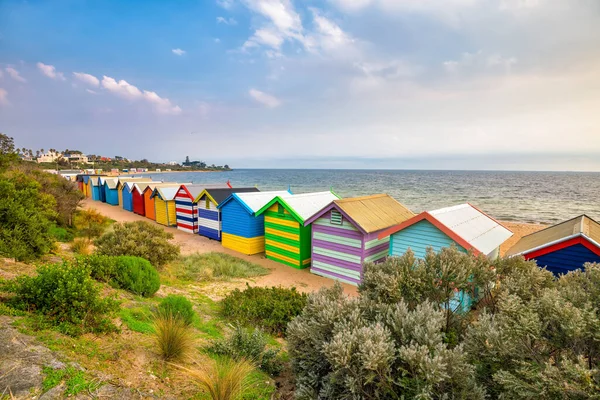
281 275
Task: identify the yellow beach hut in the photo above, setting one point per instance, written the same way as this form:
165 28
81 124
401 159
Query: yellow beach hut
164 205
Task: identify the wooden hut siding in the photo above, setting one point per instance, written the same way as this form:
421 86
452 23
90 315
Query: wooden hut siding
209 220
120 196
127 198
149 210
186 212
111 193
165 212
418 238
137 200
241 231
286 241
567 259
95 188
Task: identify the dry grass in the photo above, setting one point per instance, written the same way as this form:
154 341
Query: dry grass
81 246
223 379
173 337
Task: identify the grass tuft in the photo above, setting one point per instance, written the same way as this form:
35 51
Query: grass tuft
224 378
173 337
81 246
215 266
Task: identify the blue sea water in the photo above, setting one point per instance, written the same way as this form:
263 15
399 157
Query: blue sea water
545 197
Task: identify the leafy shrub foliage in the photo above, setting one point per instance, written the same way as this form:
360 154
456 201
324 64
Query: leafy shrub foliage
66 295
173 337
525 335
140 239
137 276
90 223
133 274
250 346
61 234
268 308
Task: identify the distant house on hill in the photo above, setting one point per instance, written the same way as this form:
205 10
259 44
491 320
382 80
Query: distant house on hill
562 247
49 157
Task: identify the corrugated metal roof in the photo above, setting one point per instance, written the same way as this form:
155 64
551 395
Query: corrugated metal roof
196 188
154 185
130 185
256 201
221 194
308 204
476 228
581 225
376 212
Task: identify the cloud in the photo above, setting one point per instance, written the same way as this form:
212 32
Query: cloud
127 91
50 71
226 4
178 52
264 98
329 34
479 61
87 78
226 21
14 74
91 91
281 23
3 97
265 36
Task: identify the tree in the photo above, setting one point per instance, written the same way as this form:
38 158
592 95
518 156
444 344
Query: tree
7 151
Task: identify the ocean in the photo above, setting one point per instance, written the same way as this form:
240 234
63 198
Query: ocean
538 197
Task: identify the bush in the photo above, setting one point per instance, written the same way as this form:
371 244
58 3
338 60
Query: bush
201 267
90 223
179 307
251 346
136 275
67 296
61 234
268 308
103 268
173 337
140 239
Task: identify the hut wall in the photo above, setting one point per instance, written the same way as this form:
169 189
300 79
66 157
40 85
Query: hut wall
102 192
120 194
337 250
165 211
209 219
286 240
242 231
566 259
96 192
112 196
127 199
149 205
186 212
418 238
137 200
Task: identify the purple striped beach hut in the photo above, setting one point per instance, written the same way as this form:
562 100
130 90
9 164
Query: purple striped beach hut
344 235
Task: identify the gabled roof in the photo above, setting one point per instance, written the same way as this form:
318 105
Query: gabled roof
154 185
194 190
581 226
122 181
369 213
166 193
129 185
219 195
253 202
302 206
468 226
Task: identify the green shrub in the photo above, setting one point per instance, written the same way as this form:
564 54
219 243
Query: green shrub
251 346
61 234
90 223
103 268
208 266
137 276
179 307
173 337
67 296
268 308
140 239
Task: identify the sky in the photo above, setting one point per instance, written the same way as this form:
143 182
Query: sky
424 84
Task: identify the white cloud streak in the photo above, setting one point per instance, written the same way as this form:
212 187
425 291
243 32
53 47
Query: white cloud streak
178 52
265 99
4 97
130 92
14 74
50 71
87 79
226 21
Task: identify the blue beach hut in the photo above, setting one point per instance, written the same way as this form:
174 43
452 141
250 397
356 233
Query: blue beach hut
111 194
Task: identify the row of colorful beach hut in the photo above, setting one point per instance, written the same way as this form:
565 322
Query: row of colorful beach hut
334 236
